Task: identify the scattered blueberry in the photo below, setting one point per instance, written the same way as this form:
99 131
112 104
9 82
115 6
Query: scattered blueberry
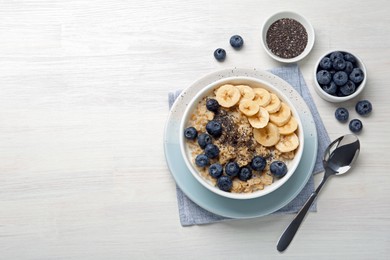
214 128
341 114
204 139
215 170
190 133
224 183
355 125
245 173
236 41
211 151
363 107
212 105
349 57
220 54
330 89
325 63
232 169
348 88
348 67
324 77
356 75
340 78
339 64
258 163
336 54
278 168
202 160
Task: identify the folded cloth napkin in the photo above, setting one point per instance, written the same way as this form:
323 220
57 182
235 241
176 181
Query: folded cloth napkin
192 214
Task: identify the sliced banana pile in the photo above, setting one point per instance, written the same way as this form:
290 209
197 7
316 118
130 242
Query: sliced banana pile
271 119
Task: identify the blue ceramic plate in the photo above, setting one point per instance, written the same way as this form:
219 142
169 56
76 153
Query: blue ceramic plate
233 208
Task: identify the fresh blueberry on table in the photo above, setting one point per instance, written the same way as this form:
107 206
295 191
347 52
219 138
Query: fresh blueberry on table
324 77
331 88
339 64
220 54
278 168
245 173
341 114
212 105
215 170
224 183
236 41
204 139
363 107
355 125
326 63
348 88
190 133
356 76
340 78
258 163
202 160
232 169
214 128
211 151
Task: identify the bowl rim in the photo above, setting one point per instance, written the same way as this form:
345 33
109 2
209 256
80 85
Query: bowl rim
332 98
208 88
298 17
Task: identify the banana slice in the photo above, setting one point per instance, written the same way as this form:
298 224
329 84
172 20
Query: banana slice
227 95
274 105
248 107
289 127
246 92
287 143
267 136
262 96
259 120
282 116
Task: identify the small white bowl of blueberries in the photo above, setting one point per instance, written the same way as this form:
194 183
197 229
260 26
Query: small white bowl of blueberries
339 76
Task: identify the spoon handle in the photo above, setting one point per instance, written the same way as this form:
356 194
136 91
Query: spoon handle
289 233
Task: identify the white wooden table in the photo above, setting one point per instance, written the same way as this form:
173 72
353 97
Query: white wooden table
83 103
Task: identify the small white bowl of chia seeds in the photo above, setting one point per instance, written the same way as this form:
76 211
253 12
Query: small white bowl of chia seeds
287 37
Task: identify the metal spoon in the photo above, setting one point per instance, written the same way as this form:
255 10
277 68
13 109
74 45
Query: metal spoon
338 159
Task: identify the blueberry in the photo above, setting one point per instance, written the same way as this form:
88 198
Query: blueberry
324 77
211 151
348 67
232 169
363 107
278 168
336 54
356 75
330 89
214 128
258 163
190 133
349 57
339 64
224 183
215 170
341 114
245 173
325 63
220 54
202 160
348 88
340 78
236 41
355 125
212 105
203 140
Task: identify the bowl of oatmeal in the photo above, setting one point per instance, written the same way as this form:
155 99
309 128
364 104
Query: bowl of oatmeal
242 138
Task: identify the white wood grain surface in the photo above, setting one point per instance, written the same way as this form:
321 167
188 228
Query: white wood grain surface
83 103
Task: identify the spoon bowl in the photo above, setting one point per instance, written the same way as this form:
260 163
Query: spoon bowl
338 159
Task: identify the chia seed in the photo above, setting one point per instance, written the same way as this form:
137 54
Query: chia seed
286 38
